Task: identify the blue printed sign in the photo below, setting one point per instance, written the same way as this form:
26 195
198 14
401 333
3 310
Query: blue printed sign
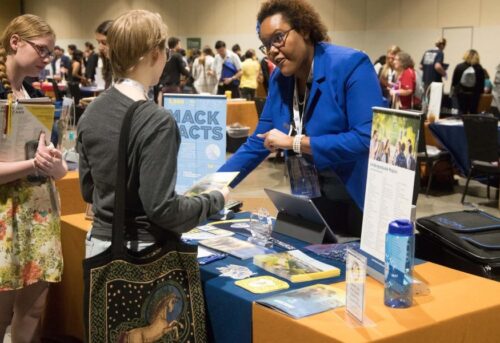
202 124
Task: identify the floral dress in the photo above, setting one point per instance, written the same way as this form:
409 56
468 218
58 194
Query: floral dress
30 245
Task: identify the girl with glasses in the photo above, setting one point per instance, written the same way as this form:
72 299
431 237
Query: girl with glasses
30 246
318 110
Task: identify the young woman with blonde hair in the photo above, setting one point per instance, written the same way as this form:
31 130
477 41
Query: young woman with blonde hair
30 246
137 52
468 82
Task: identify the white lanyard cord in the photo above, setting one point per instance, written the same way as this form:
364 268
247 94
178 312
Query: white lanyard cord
299 120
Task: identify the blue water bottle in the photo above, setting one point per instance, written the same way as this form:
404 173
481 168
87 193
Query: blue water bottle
399 252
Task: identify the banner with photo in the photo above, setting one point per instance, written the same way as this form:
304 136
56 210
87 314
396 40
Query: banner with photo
391 175
202 124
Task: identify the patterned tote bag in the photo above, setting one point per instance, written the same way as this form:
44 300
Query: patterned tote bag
153 295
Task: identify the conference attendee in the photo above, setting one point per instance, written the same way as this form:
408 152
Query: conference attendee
468 82
432 64
205 80
60 64
227 68
496 90
250 69
103 64
237 50
267 67
137 51
90 61
30 245
319 109
387 74
176 66
403 89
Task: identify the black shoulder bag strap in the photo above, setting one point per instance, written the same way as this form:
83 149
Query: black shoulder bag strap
118 230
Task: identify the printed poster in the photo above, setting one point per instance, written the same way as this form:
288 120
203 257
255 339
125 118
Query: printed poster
391 175
202 124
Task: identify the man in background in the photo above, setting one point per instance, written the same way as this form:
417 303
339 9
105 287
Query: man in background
227 67
170 80
61 63
432 64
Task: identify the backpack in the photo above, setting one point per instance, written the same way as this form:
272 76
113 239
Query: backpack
468 78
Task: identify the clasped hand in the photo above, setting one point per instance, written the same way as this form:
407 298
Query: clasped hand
275 139
48 160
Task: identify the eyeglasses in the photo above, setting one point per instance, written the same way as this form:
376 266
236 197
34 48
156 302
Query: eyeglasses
41 50
277 40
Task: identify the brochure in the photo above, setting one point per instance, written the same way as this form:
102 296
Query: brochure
206 232
262 284
210 182
306 301
295 266
235 247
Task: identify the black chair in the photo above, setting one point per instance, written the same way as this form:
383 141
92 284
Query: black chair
481 132
430 155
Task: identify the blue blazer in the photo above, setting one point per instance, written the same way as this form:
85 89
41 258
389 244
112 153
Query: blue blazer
338 117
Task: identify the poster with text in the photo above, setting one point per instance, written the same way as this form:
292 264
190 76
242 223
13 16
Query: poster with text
391 175
202 124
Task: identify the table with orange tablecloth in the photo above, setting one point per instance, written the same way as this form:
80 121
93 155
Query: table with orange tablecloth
460 308
69 192
243 112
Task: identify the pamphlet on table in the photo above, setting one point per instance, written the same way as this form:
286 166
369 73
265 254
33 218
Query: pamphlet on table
210 182
391 175
206 232
262 284
235 247
295 266
306 301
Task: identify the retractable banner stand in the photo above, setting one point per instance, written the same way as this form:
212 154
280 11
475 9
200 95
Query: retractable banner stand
391 176
202 124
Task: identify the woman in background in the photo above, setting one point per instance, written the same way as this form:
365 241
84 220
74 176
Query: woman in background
468 82
202 72
103 64
387 75
30 245
403 89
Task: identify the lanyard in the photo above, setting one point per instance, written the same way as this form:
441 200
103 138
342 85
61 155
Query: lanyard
134 84
297 118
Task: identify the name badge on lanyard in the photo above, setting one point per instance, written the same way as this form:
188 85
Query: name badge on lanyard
302 173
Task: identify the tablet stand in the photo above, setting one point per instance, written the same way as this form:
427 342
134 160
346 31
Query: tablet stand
299 228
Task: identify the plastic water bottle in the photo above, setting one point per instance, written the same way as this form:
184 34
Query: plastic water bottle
399 252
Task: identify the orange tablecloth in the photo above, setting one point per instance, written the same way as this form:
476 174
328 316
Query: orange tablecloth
243 112
69 192
460 308
64 313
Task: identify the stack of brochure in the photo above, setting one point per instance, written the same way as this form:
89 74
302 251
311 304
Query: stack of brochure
235 247
295 266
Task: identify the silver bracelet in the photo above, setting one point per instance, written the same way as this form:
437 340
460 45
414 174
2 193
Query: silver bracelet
296 143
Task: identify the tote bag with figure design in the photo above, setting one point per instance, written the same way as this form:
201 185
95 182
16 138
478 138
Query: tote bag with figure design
153 295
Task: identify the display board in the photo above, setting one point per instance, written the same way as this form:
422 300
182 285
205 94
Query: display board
202 125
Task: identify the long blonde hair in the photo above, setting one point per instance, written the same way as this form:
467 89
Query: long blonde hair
27 27
131 37
471 57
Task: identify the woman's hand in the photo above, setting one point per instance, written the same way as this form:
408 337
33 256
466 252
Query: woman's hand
275 139
48 160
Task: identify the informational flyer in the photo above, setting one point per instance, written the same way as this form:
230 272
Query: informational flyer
391 175
202 124
20 126
355 284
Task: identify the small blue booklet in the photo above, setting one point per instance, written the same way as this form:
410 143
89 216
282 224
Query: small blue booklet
306 301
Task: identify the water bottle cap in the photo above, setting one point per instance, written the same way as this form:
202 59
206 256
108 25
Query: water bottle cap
402 227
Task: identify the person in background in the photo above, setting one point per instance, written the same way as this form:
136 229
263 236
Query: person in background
30 245
71 49
76 74
496 91
250 71
432 64
137 50
170 79
488 85
61 63
227 68
379 63
90 60
403 89
387 74
468 82
103 64
202 71
319 109
237 50
267 67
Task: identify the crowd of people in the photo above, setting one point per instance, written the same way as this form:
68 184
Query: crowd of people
404 86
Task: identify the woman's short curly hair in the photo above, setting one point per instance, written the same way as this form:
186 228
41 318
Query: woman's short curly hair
301 16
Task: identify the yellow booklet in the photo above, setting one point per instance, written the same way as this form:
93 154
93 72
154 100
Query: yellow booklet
262 284
295 266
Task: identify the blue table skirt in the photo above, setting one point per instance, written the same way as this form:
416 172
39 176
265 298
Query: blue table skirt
452 137
229 307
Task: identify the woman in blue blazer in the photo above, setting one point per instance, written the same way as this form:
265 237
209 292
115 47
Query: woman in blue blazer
338 86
